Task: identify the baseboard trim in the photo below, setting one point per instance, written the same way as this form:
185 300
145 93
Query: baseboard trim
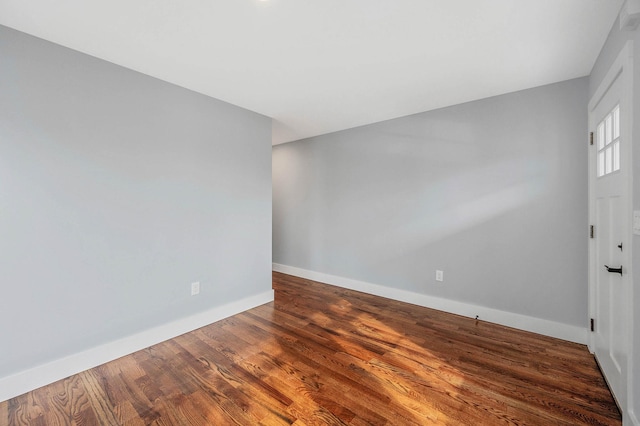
522 322
28 380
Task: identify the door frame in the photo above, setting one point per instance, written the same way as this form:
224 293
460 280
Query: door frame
621 68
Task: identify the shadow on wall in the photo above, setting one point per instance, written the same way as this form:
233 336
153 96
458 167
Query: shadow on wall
327 207
428 213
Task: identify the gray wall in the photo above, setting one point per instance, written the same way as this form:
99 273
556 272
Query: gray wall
610 51
493 192
117 191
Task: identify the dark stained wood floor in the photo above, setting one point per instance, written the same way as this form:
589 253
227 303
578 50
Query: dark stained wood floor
324 355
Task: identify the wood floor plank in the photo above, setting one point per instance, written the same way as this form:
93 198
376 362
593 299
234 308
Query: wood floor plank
101 405
4 410
324 355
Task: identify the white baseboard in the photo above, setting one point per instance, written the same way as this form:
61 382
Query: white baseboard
28 380
522 322
633 419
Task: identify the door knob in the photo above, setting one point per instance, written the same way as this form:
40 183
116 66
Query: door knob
614 270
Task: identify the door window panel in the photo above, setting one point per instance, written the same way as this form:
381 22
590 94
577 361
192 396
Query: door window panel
608 143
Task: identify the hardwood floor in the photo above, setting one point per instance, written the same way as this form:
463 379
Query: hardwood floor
324 355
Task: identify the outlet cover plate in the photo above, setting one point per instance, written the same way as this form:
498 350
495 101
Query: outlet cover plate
195 288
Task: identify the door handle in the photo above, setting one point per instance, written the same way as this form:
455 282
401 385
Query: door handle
614 270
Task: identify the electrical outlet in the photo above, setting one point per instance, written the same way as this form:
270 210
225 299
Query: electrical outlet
439 275
195 288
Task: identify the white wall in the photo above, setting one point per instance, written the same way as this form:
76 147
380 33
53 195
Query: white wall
610 50
117 191
493 192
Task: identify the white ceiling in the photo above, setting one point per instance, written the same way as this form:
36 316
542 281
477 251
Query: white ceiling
320 66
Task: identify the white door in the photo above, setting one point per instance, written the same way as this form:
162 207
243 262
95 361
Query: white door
609 186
